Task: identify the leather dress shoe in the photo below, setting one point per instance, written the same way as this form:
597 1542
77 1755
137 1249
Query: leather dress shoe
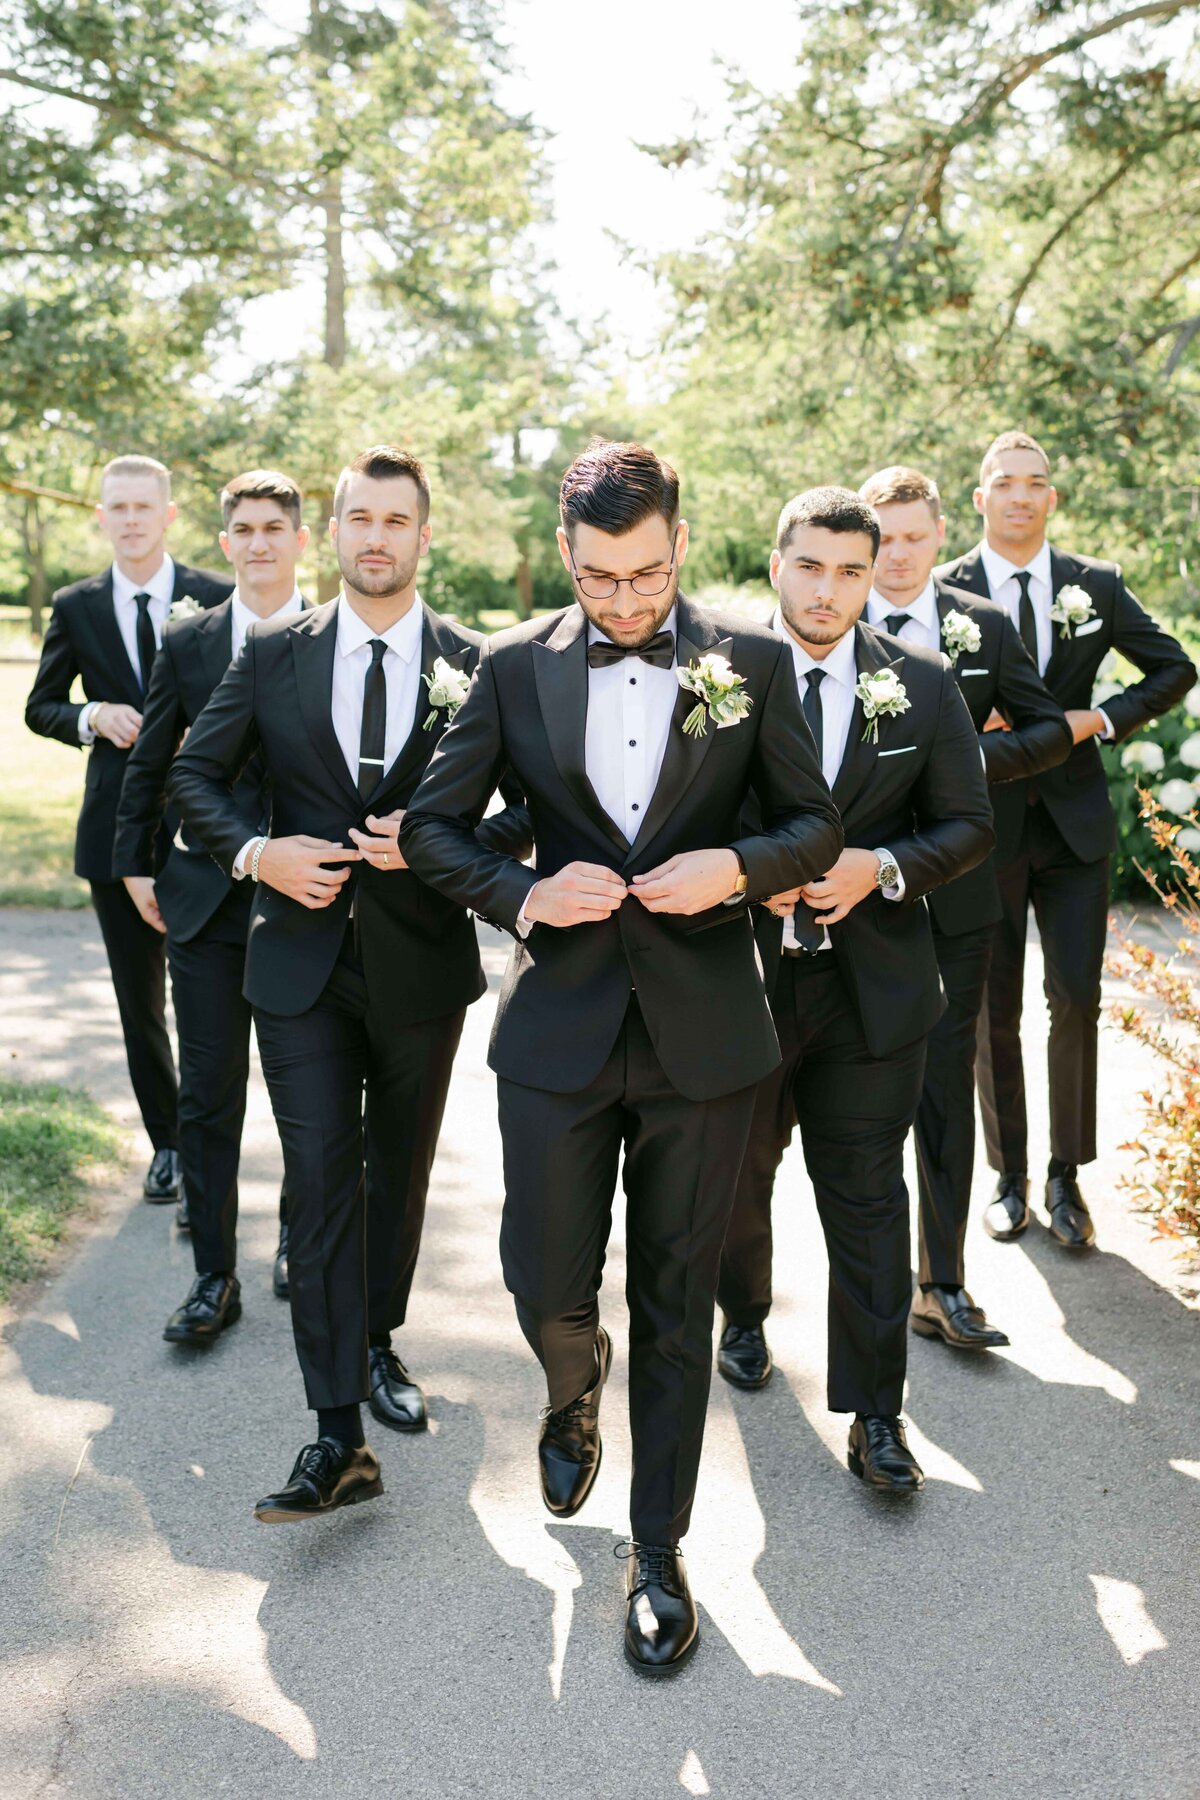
214 1302
325 1476
743 1357
183 1218
952 1315
569 1447
1070 1220
394 1399
1007 1212
279 1274
661 1627
878 1454
164 1177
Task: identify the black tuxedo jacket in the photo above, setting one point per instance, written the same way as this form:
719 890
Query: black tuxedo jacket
1000 675
920 793
190 885
697 980
84 639
419 950
1076 792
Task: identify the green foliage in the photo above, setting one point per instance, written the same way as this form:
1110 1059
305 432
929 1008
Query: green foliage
51 1138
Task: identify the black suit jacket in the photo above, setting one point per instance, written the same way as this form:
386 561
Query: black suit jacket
419 950
920 793
190 885
84 639
566 991
1000 675
1076 792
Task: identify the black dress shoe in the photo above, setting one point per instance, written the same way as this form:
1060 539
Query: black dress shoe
279 1274
878 1454
164 1177
394 1399
952 1315
214 1302
326 1475
569 1447
1070 1220
743 1357
183 1218
661 1627
1007 1212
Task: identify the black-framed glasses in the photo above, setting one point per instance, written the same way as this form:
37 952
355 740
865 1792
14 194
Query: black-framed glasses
603 587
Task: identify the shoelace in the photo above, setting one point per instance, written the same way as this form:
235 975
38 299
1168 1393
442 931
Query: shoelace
395 1368
738 1334
656 1562
315 1461
580 1412
206 1289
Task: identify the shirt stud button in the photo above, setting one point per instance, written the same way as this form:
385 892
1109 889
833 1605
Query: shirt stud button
633 743
636 807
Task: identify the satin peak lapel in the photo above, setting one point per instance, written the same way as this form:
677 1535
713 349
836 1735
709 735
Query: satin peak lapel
436 640
314 646
684 755
1064 572
112 645
561 672
859 760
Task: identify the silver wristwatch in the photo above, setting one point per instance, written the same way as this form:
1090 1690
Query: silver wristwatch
888 873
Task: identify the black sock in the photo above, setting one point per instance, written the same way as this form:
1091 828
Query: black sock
1059 1169
343 1423
379 1340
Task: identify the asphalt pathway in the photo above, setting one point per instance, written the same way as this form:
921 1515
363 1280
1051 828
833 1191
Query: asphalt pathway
1029 1627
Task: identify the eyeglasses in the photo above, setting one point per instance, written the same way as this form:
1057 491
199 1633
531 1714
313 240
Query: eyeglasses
603 587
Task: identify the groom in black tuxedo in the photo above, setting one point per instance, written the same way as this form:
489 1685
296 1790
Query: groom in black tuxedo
1022 731
359 975
632 1016
203 913
106 631
853 980
1055 832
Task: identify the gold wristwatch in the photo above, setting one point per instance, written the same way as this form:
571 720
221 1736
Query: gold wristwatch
742 882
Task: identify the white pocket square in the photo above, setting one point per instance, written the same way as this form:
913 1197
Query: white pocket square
902 751
963 673
1092 625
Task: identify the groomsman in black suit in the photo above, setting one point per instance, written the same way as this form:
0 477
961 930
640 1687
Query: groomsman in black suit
1056 831
853 980
632 1016
1022 731
204 914
106 631
358 974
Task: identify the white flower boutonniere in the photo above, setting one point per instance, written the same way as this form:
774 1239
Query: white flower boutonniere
960 633
721 694
883 696
183 609
1071 608
448 689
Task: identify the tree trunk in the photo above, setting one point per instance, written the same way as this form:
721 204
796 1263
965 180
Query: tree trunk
335 276
33 532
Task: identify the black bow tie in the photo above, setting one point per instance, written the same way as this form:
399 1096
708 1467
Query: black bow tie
659 652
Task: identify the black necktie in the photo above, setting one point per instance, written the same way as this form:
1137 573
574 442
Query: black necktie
896 623
145 639
814 712
659 652
1026 623
373 736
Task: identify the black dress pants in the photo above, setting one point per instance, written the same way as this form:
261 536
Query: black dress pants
855 1111
212 1018
358 1100
138 961
945 1125
561 1153
1070 903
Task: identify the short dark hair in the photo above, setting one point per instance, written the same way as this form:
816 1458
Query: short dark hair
899 485
263 484
833 509
385 462
1010 440
615 486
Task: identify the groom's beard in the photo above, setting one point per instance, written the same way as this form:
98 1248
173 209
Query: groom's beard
377 584
817 625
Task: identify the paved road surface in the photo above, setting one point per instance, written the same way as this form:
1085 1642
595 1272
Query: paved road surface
1029 1627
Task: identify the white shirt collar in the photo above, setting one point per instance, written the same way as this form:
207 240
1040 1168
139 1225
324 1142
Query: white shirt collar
923 609
404 637
839 665
247 617
596 636
161 585
998 568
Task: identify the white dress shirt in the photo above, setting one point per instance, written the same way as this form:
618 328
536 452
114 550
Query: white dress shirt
1005 590
837 709
161 588
922 625
242 618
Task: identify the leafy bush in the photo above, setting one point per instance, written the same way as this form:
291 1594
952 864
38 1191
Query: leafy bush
1165 758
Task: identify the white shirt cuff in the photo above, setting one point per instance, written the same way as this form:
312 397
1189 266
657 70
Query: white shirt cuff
84 722
1107 734
241 862
524 925
896 890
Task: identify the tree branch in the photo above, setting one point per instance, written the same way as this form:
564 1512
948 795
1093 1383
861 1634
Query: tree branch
29 490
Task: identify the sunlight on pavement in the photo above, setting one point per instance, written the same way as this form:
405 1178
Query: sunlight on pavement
1122 1609
692 1777
1186 1468
1043 1345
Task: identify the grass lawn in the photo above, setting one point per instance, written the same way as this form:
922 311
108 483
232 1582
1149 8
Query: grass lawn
50 1137
39 803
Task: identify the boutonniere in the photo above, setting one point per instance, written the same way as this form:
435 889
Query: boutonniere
183 609
448 689
883 696
1070 610
721 694
960 633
